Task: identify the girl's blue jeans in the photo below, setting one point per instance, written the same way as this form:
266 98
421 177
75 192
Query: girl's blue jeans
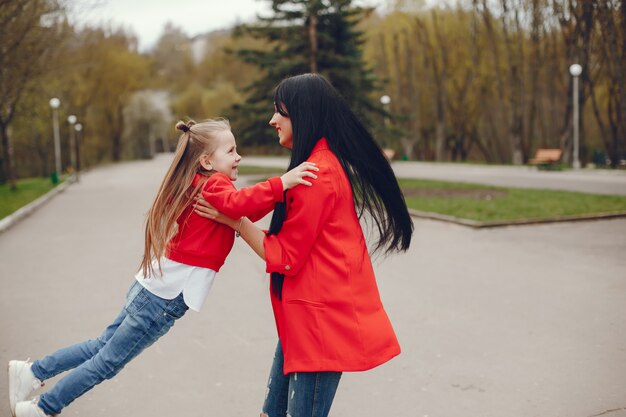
143 320
299 394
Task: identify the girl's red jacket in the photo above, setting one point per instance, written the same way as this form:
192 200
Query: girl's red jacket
206 243
330 317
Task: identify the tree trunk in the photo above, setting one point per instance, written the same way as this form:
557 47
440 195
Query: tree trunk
516 68
397 106
535 100
613 55
7 157
502 110
117 126
312 31
441 77
383 57
410 143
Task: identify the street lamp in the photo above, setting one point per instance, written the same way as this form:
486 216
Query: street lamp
71 119
575 70
78 128
54 104
385 101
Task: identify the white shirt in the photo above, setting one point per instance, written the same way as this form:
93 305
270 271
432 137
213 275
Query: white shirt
193 281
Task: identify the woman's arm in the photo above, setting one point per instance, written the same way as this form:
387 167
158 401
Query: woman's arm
243 226
253 236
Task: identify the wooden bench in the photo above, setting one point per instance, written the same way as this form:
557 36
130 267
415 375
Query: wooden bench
389 153
546 157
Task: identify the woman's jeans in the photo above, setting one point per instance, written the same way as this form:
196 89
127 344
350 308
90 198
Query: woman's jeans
143 320
299 394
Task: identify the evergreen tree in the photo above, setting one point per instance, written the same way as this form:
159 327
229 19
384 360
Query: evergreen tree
303 36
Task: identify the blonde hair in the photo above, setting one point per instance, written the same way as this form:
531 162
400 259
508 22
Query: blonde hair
175 193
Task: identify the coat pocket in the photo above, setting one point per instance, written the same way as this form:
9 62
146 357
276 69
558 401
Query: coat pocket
299 301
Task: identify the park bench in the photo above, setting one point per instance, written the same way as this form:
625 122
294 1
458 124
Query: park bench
546 157
389 153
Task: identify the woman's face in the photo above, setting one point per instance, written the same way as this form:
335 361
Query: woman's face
283 127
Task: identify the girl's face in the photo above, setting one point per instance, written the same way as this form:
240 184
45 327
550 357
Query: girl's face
224 158
283 127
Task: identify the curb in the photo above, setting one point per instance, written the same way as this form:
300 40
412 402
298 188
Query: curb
23 212
504 223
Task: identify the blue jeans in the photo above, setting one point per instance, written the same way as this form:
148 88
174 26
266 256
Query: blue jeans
143 320
299 394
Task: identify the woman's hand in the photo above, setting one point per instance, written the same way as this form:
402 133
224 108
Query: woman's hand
203 209
296 176
252 234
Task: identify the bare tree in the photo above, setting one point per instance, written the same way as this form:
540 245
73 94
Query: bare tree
411 140
612 19
439 66
576 23
29 30
460 106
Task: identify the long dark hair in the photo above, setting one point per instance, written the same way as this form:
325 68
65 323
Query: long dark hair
317 110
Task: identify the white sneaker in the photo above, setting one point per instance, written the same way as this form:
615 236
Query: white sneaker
22 382
29 409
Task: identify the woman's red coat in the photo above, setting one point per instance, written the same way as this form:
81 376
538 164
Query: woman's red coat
330 317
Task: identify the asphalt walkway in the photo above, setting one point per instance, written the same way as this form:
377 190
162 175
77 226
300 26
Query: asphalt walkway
511 322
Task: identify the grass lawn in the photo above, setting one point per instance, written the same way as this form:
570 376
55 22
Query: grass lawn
487 203
27 190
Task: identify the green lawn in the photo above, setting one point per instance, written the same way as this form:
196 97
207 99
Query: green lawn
27 190
487 203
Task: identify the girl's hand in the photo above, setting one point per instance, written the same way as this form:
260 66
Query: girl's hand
296 176
204 209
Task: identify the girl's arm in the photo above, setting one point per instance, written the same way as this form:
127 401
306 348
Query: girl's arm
288 250
256 200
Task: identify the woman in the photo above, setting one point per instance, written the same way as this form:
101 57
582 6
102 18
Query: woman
326 303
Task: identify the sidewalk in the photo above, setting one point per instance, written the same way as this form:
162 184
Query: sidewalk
512 322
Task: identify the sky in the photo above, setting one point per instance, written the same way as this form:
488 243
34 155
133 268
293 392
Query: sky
146 18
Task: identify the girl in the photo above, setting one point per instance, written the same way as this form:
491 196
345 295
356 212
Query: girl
328 312
181 257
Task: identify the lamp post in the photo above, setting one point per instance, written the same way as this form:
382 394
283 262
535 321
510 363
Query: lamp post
54 104
385 100
71 119
575 70
78 128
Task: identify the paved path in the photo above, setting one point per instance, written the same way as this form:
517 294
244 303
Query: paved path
512 322
589 181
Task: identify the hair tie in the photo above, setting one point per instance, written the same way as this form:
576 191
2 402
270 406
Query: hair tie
184 128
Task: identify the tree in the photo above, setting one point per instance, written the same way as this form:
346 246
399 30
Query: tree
173 59
30 30
115 71
147 120
303 36
612 54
